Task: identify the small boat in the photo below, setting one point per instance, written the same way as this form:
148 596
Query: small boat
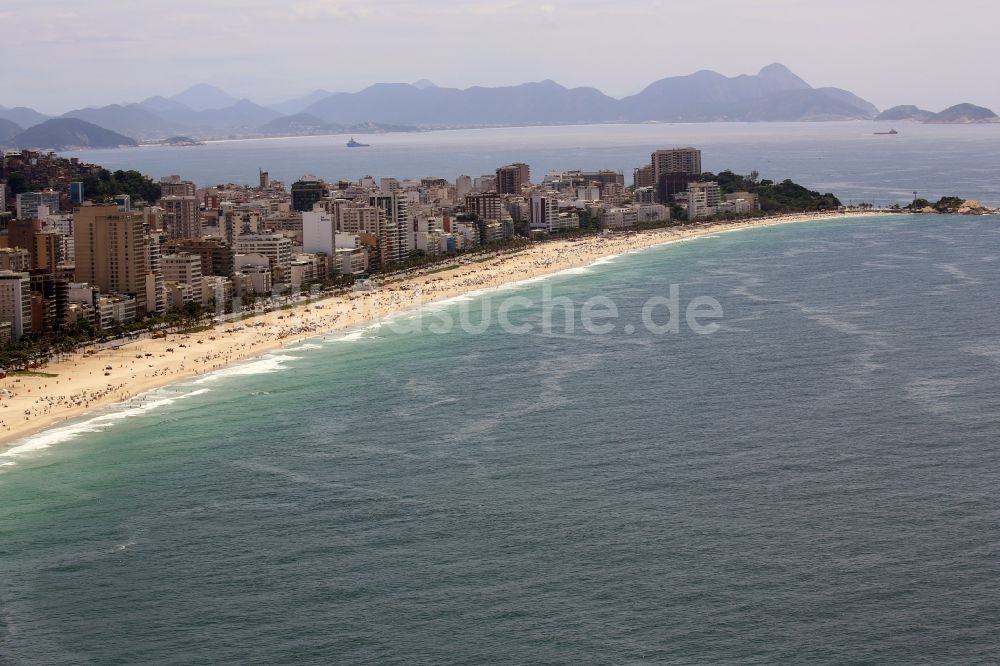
354 144
892 131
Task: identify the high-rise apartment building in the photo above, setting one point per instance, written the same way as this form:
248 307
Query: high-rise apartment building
643 177
216 255
488 206
110 251
544 212
183 269
703 199
485 183
15 303
277 248
673 169
48 251
512 177
676 160
355 218
181 217
15 259
319 232
173 186
307 191
395 235
21 233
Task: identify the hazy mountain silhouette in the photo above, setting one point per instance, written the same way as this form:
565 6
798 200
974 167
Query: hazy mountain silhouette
299 104
775 93
63 133
130 119
158 117
402 103
202 97
23 116
8 130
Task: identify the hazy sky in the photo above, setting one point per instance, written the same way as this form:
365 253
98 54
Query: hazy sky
62 54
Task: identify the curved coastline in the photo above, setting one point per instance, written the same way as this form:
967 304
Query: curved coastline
43 403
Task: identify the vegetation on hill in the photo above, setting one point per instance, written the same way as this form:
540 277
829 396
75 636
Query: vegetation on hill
106 185
783 197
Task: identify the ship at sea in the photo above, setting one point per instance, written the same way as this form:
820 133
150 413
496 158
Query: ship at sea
892 131
354 144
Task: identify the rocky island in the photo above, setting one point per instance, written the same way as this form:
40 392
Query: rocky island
963 114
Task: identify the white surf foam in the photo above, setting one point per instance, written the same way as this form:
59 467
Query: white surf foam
137 406
350 337
261 366
608 259
305 347
361 333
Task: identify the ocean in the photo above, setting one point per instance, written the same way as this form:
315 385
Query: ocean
845 158
812 481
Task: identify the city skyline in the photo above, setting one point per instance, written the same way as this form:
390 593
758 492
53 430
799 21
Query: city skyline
273 53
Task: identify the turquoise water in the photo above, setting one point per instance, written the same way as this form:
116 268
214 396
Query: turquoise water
845 158
815 482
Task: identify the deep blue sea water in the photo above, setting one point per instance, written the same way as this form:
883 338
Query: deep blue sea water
815 482
845 158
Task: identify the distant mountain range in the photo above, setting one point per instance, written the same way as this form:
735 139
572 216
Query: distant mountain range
775 93
204 111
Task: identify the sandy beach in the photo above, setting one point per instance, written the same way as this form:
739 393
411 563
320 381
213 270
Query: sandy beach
68 388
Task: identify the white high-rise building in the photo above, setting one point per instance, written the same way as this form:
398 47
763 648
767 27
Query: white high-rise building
15 302
395 238
544 214
319 231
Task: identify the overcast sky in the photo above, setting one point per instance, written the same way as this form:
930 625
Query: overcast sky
63 54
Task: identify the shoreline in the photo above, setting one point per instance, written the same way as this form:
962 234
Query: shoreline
80 384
